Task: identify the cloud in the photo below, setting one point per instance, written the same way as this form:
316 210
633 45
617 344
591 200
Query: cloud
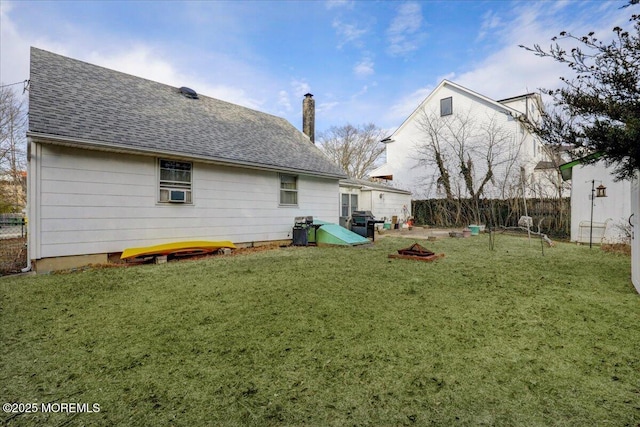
145 61
325 107
364 68
404 34
139 60
511 70
559 5
490 21
300 88
14 48
348 34
335 4
403 107
158 62
360 93
284 101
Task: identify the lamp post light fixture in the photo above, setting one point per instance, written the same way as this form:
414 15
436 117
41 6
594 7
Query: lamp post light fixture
601 191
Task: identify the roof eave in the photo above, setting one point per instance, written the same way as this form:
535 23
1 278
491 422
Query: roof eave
120 148
567 168
506 109
366 186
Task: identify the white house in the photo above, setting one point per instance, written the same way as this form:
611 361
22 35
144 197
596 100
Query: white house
117 161
384 202
455 126
600 206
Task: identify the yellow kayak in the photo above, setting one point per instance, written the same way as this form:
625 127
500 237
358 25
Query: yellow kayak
198 246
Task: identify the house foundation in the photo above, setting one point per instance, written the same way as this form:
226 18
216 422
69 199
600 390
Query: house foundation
48 265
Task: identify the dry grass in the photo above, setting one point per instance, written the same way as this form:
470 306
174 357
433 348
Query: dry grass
332 336
13 255
617 248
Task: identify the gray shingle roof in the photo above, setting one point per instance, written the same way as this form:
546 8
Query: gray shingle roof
98 106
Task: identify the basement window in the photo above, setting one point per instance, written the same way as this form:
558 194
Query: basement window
175 184
288 190
446 106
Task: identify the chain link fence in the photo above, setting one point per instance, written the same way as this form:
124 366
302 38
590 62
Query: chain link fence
13 243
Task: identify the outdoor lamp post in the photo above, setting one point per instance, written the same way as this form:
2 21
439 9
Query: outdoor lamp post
601 191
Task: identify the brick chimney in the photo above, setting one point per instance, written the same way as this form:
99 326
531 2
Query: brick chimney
309 117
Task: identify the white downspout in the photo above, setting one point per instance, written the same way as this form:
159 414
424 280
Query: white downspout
28 267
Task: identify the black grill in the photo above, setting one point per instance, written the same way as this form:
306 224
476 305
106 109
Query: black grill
364 223
301 230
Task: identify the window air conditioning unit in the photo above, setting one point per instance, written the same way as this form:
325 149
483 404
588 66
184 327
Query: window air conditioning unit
177 196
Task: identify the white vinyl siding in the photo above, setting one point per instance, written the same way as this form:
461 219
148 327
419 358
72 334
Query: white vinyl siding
98 202
390 204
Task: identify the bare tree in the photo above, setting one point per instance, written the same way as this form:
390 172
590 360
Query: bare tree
13 123
356 149
431 150
470 155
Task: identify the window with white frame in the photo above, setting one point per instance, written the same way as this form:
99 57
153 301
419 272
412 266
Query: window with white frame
175 182
349 203
288 190
446 106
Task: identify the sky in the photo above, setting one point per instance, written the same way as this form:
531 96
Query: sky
364 61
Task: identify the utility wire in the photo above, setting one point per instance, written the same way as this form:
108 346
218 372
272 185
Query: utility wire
13 84
24 82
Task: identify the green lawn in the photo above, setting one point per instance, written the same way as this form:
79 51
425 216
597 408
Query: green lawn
332 336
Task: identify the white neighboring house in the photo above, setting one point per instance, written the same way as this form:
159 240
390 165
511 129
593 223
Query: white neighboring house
482 125
611 213
117 161
383 201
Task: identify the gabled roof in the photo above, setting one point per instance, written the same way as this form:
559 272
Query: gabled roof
495 104
73 102
535 97
514 98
